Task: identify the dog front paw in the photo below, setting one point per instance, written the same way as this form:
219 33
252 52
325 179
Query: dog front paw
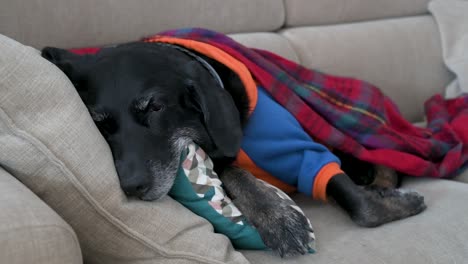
282 225
285 230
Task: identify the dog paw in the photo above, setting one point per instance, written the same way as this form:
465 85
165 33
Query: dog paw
382 205
282 225
285 230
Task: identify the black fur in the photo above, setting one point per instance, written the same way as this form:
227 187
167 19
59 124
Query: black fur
150 100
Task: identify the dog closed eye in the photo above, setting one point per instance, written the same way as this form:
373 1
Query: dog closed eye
143 107
147 104
104 121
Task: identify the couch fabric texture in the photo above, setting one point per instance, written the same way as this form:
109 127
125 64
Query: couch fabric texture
325 12
49 143
25 220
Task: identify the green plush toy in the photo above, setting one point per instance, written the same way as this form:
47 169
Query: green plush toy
198 188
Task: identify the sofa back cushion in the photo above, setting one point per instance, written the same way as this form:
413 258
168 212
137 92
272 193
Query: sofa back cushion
403 57
68 24
322 12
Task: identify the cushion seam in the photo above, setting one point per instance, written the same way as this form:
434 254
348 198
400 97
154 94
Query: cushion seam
291 45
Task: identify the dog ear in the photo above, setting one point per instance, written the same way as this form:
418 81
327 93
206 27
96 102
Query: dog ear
73 65
221 119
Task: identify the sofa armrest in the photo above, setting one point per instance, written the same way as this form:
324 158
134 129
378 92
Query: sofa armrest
30 231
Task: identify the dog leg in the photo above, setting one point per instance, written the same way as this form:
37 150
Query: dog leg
371 206
385 177
276 217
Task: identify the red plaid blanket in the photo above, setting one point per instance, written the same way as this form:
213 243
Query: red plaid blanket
354 116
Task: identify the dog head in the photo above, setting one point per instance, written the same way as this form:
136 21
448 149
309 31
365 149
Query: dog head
148 102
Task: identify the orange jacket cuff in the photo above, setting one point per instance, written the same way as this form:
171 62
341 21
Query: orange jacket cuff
319 190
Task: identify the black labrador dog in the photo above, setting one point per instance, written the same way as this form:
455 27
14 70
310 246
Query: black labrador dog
149 100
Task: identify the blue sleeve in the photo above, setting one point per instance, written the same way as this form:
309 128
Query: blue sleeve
276 143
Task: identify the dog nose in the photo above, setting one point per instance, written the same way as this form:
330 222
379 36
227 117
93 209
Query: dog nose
135 187
133 181
134 177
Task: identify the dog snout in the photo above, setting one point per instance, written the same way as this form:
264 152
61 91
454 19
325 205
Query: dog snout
136 187
134 181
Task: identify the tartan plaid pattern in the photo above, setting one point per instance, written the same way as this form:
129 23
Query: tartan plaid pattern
352 115
198 168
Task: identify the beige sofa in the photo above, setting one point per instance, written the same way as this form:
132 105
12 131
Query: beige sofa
393 44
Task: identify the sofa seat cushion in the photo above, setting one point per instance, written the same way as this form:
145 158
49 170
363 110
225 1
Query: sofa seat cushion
438 235
403 57
30 231
50 143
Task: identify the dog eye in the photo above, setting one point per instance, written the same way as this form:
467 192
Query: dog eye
99 117
155 107
103 120
106 124
107 127
146 105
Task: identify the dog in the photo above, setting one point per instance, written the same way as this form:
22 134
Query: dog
150 100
